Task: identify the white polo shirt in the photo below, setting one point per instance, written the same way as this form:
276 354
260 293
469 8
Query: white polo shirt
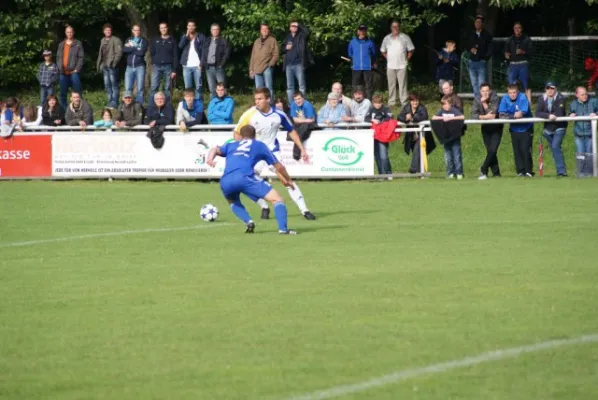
396 49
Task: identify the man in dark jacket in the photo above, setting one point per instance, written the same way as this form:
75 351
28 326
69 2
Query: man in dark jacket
79 112
165 61
129 113
135 48
191 43
111 51
479 46
485 107
214 56
159 112
69 59
551 105
518 50
297 57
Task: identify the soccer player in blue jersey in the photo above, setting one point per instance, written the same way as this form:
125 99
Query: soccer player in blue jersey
239 177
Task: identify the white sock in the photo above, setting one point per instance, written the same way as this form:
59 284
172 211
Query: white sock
297 197
262 203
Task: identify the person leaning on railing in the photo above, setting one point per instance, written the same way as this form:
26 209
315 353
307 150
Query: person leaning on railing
129 112
414 112
485 107
551 105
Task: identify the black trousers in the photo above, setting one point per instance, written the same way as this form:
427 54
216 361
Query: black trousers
522 150
492 140
361 77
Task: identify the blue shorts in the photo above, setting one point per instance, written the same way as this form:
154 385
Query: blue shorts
251 186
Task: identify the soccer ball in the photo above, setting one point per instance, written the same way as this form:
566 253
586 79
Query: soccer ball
209 213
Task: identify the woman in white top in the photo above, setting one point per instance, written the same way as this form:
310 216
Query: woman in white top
32 116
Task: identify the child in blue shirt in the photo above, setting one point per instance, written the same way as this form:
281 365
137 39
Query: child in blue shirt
106 121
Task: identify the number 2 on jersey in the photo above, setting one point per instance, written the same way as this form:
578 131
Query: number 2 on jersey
245 146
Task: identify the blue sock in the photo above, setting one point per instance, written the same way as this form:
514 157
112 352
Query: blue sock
240 211
280 211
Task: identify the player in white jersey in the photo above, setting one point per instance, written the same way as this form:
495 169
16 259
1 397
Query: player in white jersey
267 120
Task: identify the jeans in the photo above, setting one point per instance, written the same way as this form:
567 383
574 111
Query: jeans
295 71
192 78
135 75
215 75
111 85
522 150
381 157
518 72
265 79
45 91
159 72
583 144
358 78
67 81
453 157
477 74
555 139
492 138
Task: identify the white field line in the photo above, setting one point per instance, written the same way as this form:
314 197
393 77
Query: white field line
403 375
111 234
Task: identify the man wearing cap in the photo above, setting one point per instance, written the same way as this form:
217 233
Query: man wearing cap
397 48
111 51
550 106
362 52
129 113
47 75
479 46
332 113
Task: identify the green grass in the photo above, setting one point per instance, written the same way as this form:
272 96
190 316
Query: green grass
392 276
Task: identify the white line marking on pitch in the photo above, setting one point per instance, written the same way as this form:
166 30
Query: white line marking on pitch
109 234
399 376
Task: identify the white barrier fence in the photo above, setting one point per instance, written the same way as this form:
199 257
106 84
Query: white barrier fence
69 152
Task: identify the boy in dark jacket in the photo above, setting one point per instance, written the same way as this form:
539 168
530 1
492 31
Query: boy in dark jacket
450 137
550 106
47 75
378 114
446 64
485 107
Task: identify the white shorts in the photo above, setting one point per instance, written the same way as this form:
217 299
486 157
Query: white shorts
262 165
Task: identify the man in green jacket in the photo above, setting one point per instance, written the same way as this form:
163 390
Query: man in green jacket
111 51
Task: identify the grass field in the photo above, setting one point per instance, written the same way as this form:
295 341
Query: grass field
117 290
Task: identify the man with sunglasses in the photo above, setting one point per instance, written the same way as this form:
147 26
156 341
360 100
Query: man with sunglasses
297 57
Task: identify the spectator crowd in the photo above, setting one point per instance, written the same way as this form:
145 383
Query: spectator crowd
197 55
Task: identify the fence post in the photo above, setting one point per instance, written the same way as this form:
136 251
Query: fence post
594 150
422 136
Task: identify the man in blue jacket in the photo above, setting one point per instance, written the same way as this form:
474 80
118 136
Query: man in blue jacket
221 107
135 49
362 52
165 60
516 106
192 43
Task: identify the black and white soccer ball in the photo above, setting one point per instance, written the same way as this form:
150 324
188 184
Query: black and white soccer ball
209 213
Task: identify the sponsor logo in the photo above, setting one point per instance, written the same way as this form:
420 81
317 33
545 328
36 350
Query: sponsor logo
343 151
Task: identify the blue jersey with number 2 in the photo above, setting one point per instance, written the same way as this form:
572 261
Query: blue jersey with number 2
242 156
238 175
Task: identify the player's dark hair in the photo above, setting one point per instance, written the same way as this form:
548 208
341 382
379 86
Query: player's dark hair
263 90
358 89
413 96
107 26
298 93
285 105
190 91
513 86
485 85
247 132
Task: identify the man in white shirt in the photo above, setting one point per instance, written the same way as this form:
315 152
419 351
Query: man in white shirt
191 44
397 48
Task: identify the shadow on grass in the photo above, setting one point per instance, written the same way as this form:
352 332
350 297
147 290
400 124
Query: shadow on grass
326 214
